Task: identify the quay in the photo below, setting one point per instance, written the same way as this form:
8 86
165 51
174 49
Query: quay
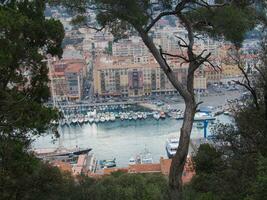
91 105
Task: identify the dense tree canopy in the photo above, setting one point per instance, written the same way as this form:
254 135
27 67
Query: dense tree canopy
235 168
25 39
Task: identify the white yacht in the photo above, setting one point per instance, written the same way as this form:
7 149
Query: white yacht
200 116
135 116
156 115
143 158
86 119
112 117
144 115
81 119
139 115
107 117
146 157
96 119
91 119
132 161
172 146
122 116
102 118
74 120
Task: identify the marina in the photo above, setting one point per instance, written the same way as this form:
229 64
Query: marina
117 134
122 139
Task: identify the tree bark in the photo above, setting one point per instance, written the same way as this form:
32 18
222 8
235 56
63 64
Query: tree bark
179 160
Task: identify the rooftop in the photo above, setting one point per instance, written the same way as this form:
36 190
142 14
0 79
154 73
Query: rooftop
77 67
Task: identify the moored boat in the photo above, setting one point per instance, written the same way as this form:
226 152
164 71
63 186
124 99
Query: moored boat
162 115
172 146
102 118
46 153
156 115
200 125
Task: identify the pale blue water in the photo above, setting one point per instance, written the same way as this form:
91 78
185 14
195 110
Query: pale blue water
122 139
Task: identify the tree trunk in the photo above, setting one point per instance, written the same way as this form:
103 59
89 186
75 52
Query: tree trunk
178 162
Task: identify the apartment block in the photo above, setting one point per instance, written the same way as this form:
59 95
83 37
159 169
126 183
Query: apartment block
115 76
67 78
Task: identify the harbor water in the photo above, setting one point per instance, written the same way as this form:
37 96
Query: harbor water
121 139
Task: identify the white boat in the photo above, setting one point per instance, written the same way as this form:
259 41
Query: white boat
112 117
74 120
146 157
96 119
144 115
80 120
68 121
122 116
63 122
132 161
107 118
200 116
156 115
126 116
179 115
140 115
143 158
54 122
171 146
102 118
91 119
135 116
86 119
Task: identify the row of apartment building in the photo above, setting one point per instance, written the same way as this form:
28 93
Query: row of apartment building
119 76
67 77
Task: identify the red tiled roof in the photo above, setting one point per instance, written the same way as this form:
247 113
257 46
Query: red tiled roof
77 67
57 74
165 165
62 165
111 170
144 168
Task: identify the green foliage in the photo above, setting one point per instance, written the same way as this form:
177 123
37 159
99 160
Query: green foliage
207 159
123 16
259 188
23 176
237 167
231 22
25 38
131 186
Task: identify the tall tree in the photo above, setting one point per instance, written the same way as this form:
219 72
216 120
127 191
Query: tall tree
224 18
26 37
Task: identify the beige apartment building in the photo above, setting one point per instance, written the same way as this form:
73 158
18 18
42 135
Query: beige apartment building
67 78
121 76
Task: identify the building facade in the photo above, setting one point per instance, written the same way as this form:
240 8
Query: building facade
113 78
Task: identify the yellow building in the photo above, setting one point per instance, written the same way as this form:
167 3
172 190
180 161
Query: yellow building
121 76
230 70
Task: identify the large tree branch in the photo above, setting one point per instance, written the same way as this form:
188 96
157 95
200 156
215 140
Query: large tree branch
179 7
163 64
